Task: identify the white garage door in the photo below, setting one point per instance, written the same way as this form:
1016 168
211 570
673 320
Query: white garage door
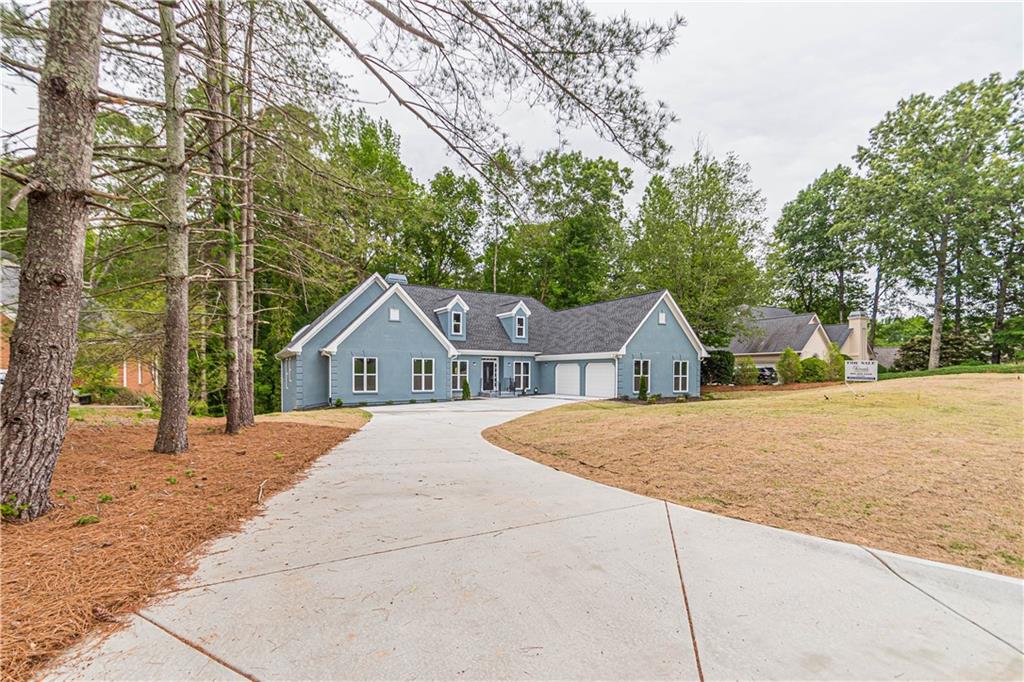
567 379
601 379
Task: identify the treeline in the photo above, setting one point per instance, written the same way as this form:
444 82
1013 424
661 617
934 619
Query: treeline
933 213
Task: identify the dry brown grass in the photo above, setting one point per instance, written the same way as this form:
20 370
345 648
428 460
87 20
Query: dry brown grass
61 580
930 467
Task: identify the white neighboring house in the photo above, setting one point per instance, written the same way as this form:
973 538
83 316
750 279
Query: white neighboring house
772 330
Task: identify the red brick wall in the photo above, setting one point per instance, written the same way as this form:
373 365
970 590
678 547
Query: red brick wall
135 375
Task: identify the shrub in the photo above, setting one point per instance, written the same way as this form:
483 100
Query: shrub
718 367
836 363
746 372
116 395
466 394
199 408
789 366
642 393
338 402
680 398
813 369
955 350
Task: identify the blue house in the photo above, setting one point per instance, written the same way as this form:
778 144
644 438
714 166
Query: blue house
388 340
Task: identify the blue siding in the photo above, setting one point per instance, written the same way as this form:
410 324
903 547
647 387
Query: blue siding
508 323
443 318
394 344
310 388
662 344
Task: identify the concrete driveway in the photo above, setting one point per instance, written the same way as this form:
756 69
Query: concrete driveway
418 550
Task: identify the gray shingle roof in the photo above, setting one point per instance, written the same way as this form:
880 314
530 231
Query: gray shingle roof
774 334
596 328
483 328
599 327
837 333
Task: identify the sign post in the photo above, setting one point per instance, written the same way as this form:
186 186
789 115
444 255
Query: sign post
861 370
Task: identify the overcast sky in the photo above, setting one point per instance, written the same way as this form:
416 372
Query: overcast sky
791 88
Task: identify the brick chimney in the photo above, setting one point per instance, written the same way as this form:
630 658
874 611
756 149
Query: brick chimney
858 341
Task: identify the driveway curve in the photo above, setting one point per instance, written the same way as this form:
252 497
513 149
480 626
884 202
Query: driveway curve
418 550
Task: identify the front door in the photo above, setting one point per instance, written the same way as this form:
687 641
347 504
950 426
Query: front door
489 376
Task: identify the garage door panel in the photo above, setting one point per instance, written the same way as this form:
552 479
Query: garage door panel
567 379
600 380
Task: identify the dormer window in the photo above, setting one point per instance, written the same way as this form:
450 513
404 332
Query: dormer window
520 327
456 324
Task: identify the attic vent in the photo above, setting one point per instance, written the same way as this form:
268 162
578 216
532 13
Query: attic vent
394 278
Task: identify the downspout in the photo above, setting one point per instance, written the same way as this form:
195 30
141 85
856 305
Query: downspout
330 379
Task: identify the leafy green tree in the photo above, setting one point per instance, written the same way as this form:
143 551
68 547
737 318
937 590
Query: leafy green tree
788 367
897 330
440 244
718 368
928 168
818 251
696 235
569 253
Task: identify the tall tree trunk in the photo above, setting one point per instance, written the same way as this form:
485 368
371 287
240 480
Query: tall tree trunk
940 284
44 342
172 432
1002 290
876 298
248 331
842 296
218 96
957 287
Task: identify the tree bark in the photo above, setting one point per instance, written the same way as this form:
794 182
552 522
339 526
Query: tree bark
842 296
172 432
876 297
217 94
37 391
940 283
1002 291
248 330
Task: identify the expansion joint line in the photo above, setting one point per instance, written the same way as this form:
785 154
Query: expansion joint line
939 601
192 645
686 600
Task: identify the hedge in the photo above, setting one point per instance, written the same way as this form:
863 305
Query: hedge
954 369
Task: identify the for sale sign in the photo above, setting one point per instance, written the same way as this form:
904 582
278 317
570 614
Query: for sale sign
861 370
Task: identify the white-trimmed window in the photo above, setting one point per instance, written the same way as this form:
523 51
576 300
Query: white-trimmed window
460 372
680 376
521 374
641 368
422 375
364 375
520 327
456 326
661 317
394 315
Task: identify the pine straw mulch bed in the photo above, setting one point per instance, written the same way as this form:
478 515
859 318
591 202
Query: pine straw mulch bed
61 580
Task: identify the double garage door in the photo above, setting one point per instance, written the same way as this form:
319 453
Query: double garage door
599 377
